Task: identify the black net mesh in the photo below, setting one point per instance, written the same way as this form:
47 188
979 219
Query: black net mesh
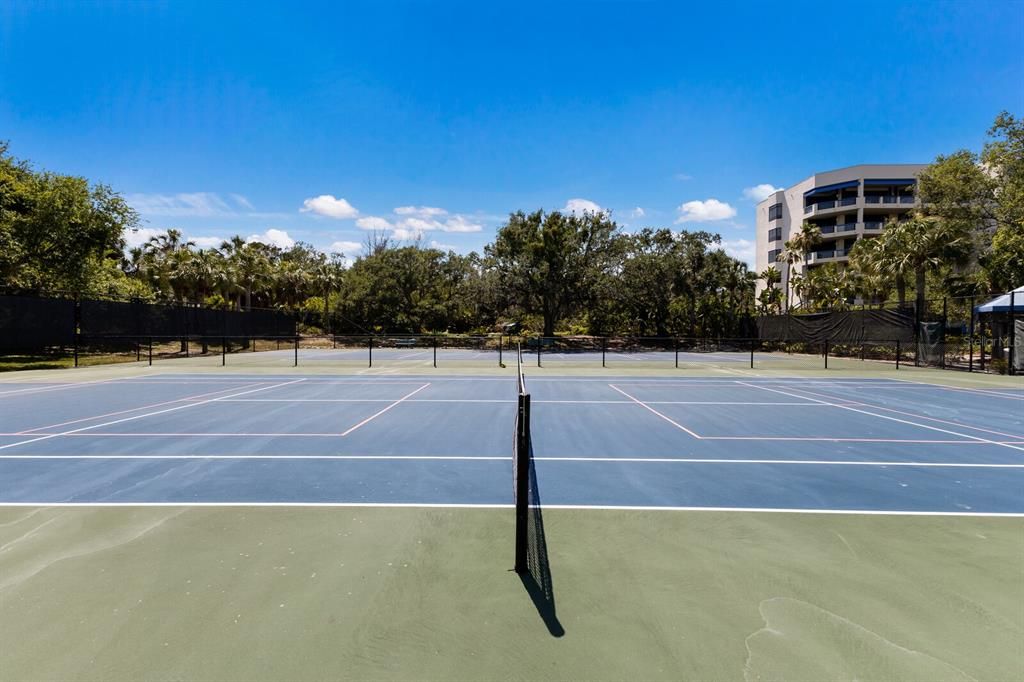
31 324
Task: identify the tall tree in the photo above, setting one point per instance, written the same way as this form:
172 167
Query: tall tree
550 262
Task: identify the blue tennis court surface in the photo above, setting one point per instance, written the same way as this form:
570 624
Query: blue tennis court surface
849 444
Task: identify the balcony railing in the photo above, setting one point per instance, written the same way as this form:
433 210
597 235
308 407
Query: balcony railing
827 229
888 199
873 224
848 201
847 227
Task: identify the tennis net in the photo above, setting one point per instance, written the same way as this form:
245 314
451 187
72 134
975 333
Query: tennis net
521 467
531 546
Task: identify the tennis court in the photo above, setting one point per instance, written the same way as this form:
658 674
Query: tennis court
768 518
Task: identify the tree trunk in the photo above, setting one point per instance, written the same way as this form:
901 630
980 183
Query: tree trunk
901 291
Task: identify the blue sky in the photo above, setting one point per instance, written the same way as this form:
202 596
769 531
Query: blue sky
316 122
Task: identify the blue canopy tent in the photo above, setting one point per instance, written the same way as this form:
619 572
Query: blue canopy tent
1006 313
1001 304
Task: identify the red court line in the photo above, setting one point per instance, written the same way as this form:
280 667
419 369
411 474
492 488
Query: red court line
861 403
133 409
143 415
895 419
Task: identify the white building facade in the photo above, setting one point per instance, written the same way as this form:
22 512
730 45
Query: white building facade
847 205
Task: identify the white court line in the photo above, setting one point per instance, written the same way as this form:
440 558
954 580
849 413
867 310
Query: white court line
861 403
568 507
374 416
648 407
901 421
67 386
315 434
505 458
140 416
133 409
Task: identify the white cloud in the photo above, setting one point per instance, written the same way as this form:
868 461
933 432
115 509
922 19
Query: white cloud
372 222
241 201
420 211
682 177
350 249
740 249
406 234
273 237
581 206
704 211
443 247
200 204
460 223
637 213
207 242
329 206
134 238
760 192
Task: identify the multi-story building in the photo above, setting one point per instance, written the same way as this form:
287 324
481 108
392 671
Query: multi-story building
847 204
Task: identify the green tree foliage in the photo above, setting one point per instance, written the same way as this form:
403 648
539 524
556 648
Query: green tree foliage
550 264
57 232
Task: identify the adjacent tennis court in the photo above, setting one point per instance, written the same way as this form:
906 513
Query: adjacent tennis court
760 517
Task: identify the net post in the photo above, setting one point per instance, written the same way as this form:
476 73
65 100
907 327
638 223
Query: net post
522 501
151 351
435 351
296 352
371 350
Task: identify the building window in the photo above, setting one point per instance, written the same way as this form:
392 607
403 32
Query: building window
775 212
775 234
773 255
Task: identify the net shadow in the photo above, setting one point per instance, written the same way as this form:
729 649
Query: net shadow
537 578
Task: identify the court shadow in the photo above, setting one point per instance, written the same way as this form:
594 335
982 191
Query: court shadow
537 579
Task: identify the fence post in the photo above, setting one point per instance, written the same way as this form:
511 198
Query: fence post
371 351
223 351
76 348
296 352
604 349
538 349
970 342
675 343
826 355
945 319
897 354
500 361
752 344
435 351
1011 356
138 350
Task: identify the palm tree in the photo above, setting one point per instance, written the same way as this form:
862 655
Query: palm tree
791 254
